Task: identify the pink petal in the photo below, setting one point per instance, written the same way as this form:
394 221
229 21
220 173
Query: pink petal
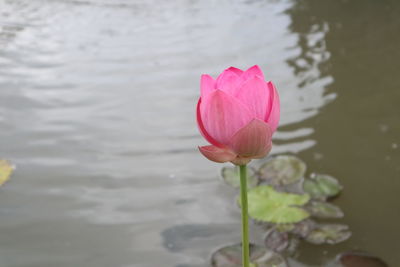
227 81
253 140
222 116
207 84
217 154
251 72
235 70
273 113
202 129
255 94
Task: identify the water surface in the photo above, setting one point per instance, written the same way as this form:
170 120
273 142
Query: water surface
97 104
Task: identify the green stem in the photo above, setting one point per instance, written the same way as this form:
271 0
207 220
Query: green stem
245 219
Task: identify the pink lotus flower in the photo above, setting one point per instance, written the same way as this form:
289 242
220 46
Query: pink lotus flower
237 114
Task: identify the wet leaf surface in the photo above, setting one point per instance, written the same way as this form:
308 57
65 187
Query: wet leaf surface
231 256
267 204
329 234
282 170
322 186
231 176
322 209
6 170
360 259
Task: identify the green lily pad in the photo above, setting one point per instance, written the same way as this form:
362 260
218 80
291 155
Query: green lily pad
268 205
6 169
360 259
282 170
329 233
231 176
231 256
323 209
322 186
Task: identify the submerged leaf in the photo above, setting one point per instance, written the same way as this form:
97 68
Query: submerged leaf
292 247
231 176
323 209
282 170
322 186
304 228
231 256
360 259
284 227
268 205
276 240
295 188
6 170
329 233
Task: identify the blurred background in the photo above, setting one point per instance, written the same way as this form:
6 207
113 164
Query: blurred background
97 101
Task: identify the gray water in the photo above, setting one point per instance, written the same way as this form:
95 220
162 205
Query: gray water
97 103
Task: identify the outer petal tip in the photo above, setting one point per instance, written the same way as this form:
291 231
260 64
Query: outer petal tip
207 84
217 154
235 70
254 71
273 114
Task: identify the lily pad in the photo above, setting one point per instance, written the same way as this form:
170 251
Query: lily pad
276 240
282 170
6 170
323 209
231 256
268 205
360 259
231 176
322 186
329 233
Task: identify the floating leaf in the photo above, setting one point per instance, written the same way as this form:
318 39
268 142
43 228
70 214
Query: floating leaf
6 170
322 209
282 170
231 176
267 204
329 233
231 256
360 259
276 240
322 186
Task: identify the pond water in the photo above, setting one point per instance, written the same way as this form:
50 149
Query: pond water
97 101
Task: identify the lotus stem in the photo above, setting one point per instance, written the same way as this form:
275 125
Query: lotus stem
245 218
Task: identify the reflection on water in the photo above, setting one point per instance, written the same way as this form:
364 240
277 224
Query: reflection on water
357 135
97 111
